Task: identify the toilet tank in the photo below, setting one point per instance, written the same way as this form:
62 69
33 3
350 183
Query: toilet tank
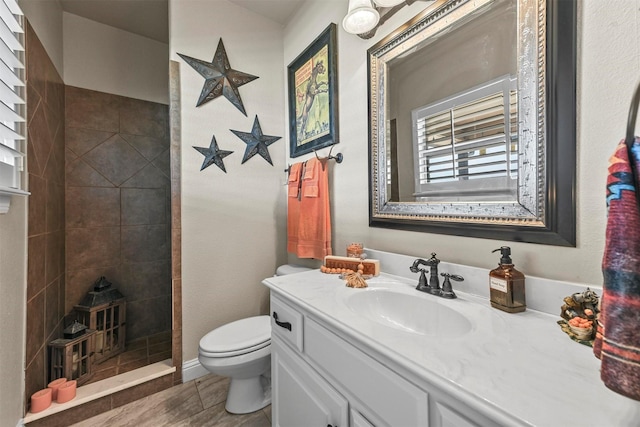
283 270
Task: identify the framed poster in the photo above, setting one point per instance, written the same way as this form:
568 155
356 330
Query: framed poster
313 96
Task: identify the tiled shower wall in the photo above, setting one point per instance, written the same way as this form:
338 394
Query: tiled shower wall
120 398
118 214
45 163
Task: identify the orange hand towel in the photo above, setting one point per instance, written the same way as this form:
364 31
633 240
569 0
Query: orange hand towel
293 206
314 223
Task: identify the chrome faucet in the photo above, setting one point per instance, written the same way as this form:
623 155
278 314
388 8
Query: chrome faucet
433 287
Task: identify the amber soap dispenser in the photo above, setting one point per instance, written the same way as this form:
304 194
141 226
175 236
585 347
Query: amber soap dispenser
507 285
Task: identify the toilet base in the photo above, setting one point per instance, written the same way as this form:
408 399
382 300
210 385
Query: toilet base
248 394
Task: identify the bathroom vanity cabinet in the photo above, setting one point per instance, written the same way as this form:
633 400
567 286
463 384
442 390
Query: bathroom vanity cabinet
319 378
388 355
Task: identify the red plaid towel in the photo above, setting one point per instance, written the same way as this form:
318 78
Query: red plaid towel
618 337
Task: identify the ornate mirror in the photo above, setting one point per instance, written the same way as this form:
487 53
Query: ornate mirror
472 121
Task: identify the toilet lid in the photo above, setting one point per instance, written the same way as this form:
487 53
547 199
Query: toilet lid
286 269
239 337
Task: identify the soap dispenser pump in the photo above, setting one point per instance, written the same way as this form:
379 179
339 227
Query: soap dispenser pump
507 284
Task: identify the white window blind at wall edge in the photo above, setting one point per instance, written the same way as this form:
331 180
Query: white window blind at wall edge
468 142
12 103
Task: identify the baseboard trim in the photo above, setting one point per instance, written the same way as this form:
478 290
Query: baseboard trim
192 369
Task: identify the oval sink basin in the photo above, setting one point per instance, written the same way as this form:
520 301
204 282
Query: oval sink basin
409 313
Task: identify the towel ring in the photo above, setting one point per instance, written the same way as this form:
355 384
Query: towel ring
631 121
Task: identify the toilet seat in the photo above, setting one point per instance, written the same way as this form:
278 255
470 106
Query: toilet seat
237 338
238 352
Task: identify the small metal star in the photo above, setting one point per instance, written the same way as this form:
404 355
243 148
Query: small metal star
257 143
220 78
213 155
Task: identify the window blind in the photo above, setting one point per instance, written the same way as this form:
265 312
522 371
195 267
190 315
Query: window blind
468 142
12 103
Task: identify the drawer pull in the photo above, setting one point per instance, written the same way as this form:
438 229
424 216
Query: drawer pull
285 325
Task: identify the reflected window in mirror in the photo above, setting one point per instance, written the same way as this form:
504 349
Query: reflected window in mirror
465 146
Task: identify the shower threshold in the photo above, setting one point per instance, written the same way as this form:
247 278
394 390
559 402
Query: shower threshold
106 387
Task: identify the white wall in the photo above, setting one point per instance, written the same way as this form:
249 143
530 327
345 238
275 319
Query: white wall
45 16
608 70
107 59
233 223
100 57
13 285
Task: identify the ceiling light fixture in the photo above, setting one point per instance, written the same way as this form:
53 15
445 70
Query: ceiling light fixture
361 18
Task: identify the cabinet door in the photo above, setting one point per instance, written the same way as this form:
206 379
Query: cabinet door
447 417
357 420
374 390
300 396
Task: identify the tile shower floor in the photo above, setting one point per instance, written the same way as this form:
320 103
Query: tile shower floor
197 403
138 353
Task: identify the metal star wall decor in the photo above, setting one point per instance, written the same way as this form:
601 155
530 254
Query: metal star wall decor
220 78
213 155
256 141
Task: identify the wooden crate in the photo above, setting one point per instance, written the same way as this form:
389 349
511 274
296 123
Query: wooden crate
371 266
72 358
109 321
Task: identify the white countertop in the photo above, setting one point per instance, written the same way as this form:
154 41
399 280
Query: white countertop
520 368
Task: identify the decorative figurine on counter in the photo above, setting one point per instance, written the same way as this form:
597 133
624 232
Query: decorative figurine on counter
355 280
579 313
581 304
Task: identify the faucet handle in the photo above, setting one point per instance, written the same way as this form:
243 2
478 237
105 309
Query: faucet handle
422 282
447 289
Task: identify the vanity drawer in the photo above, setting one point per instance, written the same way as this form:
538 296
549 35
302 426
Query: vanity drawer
287 323
388 398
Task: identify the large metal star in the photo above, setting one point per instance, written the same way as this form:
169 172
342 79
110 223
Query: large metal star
257 143
220 78
213 155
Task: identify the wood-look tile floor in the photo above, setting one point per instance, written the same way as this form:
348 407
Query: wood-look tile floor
197 403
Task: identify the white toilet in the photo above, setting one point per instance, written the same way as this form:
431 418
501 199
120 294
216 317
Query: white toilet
241 350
